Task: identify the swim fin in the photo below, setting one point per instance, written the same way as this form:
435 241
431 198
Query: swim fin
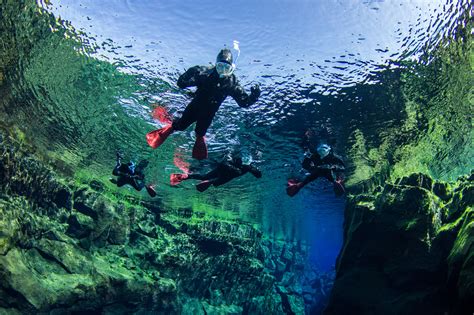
157 137
339 189
200 148
151 190
202 186
293 187
175 179
160 113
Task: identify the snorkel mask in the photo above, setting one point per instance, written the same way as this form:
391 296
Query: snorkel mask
225 65
224 69
323 150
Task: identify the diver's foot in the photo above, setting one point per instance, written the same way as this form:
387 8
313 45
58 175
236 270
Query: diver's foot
293 187
157 137
339 189
175 179
202 186
151 190
200 148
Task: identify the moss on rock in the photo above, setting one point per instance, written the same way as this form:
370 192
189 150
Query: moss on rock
398 246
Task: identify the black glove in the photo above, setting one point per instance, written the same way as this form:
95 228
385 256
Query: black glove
255 90
119 155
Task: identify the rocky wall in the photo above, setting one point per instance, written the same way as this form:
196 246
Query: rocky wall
408 249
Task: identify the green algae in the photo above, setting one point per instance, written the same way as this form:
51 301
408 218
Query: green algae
406 249
436 135
99 253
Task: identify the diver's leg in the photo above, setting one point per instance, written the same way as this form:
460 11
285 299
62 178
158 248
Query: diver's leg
202 124
212 174
205 184
311 177
157 137
137 184
294 186
197 176
121 180
221 180
338 182
188 117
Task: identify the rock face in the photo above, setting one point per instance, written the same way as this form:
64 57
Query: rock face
408 249
66 249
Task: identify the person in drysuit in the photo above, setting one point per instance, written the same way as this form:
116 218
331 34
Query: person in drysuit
323 163
230 168
132 175
213 84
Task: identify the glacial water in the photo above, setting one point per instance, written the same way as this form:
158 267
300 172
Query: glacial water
342 70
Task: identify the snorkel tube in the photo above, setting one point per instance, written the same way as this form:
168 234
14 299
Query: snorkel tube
236 47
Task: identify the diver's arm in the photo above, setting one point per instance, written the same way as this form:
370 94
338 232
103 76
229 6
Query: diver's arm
138 176
254 170
334 162
192 77
337 160
307 163
242 98
117 172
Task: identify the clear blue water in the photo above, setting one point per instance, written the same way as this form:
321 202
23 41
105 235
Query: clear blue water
306 55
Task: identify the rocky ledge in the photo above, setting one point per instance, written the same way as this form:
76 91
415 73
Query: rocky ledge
408 249
66 248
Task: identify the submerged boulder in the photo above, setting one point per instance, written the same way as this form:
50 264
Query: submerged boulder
82 249
400 246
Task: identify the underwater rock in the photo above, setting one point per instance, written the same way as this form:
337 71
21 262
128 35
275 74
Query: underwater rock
398 246
416 180
68 249
441 190
80 225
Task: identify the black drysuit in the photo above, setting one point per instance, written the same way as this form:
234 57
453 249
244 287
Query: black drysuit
211 92
226 171
125 176
325 167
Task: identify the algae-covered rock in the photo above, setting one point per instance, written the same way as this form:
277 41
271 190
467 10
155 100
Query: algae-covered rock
80 225
68 249
9 226
461 264
401 247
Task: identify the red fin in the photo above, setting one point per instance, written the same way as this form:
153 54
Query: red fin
180 163
160 113
175 179
157 137
151 190
293 187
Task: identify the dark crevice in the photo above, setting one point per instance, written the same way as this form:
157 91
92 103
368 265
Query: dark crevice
12 298
52 258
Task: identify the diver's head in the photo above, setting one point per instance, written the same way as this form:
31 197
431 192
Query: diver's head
224 63
323 150
238 160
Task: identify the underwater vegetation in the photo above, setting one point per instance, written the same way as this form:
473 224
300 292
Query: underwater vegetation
70 242
68 248
409 242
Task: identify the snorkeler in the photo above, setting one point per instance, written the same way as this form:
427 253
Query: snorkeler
213 84
228 169
131 174
322 163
